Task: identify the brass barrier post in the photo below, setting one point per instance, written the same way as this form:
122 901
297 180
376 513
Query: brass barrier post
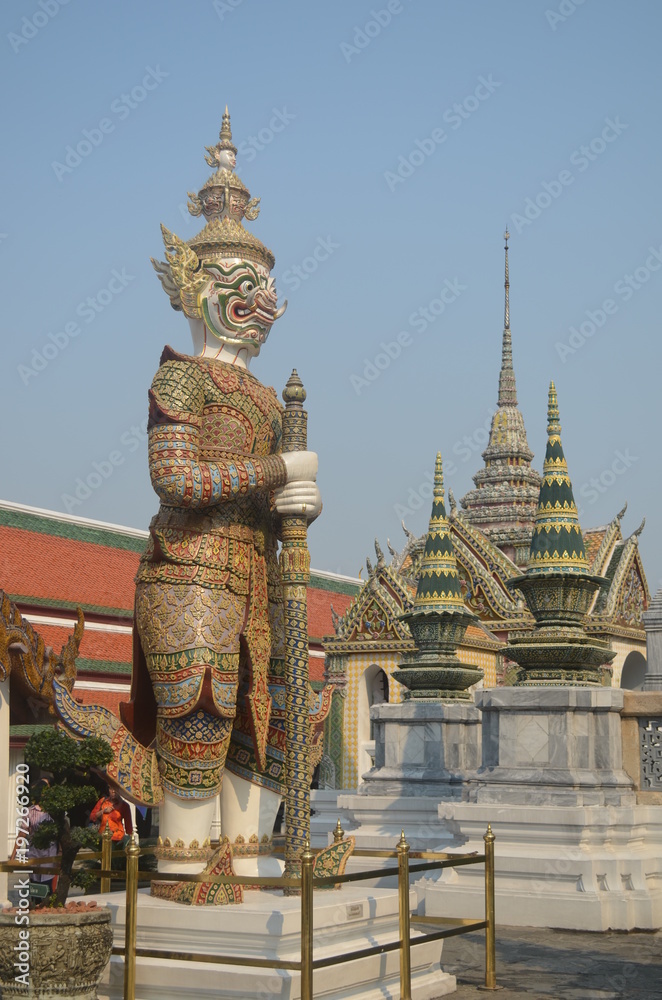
132 856
338 833
405 932
307 861
106 857
490 932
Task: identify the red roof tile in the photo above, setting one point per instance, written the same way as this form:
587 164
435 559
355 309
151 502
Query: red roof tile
319 610
108 699
114 646
63 569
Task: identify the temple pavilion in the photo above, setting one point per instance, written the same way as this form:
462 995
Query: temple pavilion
491 533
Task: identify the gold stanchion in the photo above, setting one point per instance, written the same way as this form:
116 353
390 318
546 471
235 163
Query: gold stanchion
106 857
490 931
338 832
132 856
307 861
405 932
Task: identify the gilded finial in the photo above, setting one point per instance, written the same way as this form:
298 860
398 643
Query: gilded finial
553 417
294 391
438 490
225 135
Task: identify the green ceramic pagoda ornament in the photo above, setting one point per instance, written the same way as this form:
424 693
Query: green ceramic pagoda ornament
557 586
438 618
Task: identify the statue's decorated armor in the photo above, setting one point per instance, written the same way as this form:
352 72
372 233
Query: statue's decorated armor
208 596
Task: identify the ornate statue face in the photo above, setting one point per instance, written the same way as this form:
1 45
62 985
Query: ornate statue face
227 159
239 305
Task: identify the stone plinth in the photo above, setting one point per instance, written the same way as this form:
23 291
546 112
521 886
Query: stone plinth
423 749
584 867
573 848
551 746
268 925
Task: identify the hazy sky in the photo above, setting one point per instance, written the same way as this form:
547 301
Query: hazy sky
390 143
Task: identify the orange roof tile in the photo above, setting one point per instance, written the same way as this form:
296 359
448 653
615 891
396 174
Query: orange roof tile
108 699
65 569
320 622
592 542
113 646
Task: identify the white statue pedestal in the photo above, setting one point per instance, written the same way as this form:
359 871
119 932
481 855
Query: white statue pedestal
574 849
268 925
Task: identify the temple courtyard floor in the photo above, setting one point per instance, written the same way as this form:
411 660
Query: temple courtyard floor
571 965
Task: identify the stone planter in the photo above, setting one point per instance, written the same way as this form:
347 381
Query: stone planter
67 953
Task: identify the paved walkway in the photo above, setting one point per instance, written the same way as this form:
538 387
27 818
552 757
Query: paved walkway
569 965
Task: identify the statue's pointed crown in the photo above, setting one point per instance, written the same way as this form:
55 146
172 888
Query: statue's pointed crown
225 202
557 544
439 581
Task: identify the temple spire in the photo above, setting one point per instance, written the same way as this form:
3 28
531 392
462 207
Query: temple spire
504 503
557 545
439 581
507 386
506 285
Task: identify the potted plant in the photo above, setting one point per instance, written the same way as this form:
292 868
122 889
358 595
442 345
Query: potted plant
55 950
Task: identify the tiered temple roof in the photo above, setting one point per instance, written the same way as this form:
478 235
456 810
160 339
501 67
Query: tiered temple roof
503 505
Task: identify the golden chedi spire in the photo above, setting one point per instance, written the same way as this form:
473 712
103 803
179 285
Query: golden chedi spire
557 545
503 503
438 618
439 582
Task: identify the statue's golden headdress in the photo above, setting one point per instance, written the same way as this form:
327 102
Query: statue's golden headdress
225 202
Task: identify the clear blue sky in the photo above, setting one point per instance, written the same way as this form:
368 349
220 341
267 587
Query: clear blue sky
399 148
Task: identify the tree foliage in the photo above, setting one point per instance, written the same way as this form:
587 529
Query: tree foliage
67 797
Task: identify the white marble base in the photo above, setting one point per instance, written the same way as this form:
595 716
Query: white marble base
376 821
589 868
267 925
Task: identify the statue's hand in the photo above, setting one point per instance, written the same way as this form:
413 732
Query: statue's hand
299 498
301 466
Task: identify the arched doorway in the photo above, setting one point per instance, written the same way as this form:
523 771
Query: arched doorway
633 673
373 691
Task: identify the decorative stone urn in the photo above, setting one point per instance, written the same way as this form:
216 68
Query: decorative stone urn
64 955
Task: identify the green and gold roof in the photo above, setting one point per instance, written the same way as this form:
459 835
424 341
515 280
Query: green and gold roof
557 545
439 581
